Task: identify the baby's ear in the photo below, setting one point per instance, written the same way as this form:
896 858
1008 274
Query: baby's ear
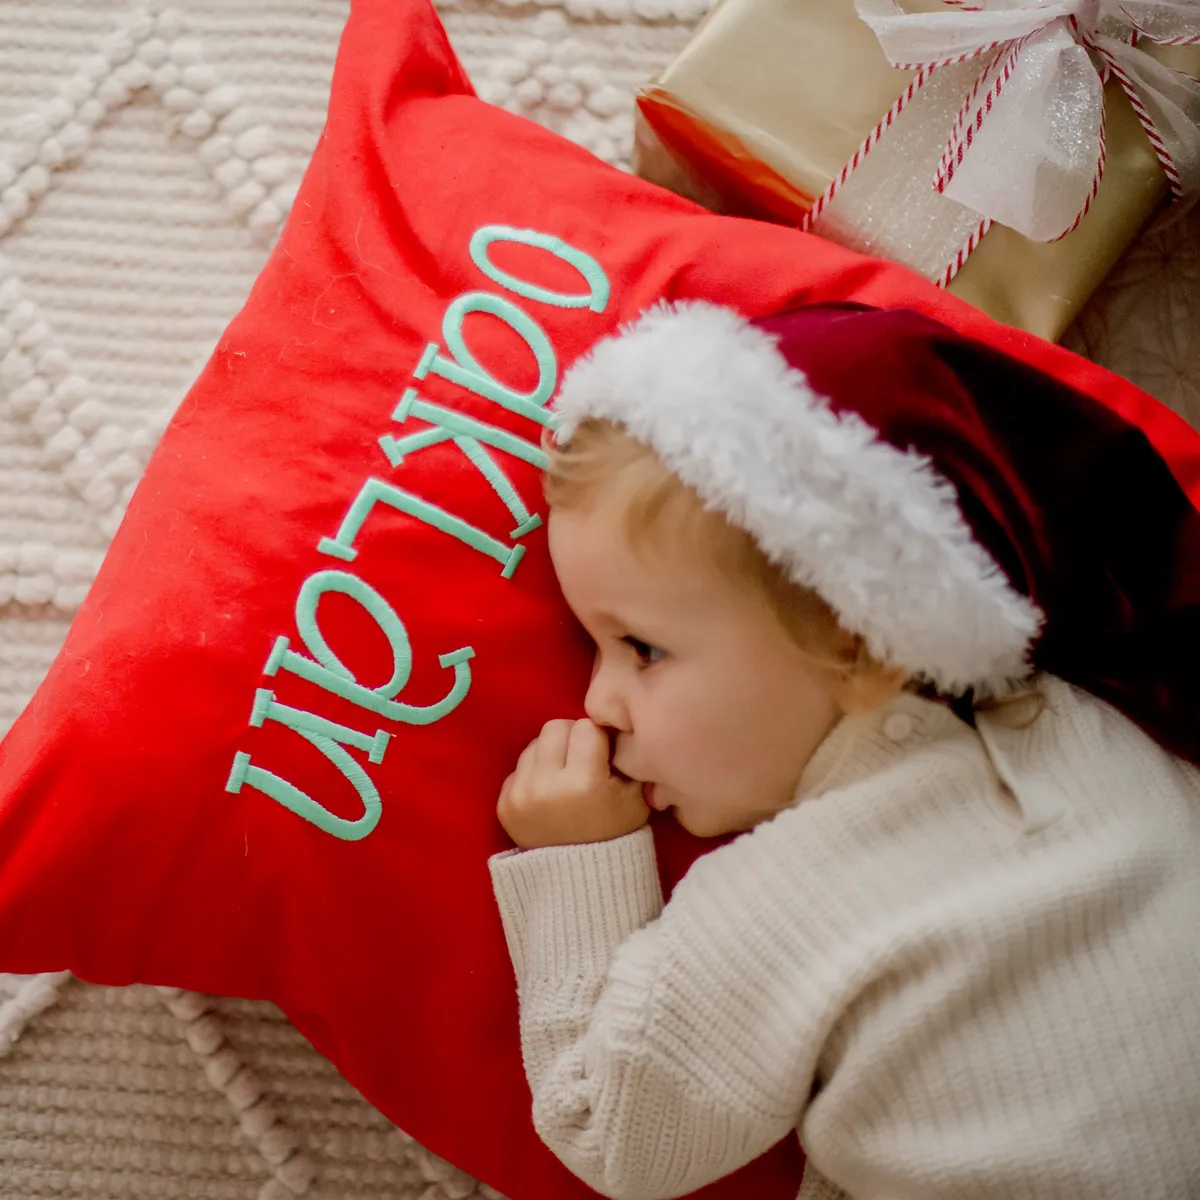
860 690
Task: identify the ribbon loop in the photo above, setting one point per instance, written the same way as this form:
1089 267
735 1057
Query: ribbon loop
912 40
1027 147
1168 22
1033 163
1168 105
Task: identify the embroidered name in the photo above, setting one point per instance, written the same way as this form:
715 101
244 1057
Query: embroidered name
311 657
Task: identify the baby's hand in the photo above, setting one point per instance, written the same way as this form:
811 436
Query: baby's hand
563 792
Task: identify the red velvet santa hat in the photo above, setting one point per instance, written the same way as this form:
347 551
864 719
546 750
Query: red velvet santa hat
971 518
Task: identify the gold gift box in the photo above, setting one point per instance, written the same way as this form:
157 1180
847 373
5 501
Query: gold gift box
772 97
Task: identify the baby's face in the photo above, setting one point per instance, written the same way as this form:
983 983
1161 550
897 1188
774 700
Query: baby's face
714 707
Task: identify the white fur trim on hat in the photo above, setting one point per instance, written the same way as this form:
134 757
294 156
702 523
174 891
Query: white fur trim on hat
875 531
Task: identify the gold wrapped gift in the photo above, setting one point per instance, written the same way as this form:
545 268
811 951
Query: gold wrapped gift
772 98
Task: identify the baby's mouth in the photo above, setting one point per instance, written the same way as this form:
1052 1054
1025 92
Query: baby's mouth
650 796
649 790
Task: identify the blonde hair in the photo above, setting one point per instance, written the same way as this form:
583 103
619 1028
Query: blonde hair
659 507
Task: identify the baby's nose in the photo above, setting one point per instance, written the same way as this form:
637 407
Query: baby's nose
603 702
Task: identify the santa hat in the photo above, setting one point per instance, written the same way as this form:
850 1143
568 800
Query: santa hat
971 518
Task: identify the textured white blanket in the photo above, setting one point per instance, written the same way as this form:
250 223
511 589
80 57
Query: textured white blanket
130 231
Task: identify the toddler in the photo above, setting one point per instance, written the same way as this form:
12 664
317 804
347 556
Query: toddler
857 597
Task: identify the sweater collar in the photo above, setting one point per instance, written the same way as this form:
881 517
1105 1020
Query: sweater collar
862 745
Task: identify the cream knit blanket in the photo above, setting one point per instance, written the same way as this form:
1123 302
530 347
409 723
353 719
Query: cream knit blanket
130 231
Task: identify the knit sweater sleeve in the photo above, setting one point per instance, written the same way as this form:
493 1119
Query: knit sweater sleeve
659 1056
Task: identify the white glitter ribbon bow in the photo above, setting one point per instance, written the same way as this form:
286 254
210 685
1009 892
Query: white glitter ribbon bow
1026 147
1004 121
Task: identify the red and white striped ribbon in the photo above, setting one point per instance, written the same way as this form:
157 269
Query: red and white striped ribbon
967 250
924 71
1147 121
982 97
1101 161
1140 31
974 112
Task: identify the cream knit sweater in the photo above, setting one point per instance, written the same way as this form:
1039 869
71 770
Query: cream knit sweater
964 965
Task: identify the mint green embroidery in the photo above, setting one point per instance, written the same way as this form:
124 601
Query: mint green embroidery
469 374
397 448
453 424
514 560
316 729
301 803
380 611
331 739
500 485
377 489
330 673
467 434
595 298
460 367
356 693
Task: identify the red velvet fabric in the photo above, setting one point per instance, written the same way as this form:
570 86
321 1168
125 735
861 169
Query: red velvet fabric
124 856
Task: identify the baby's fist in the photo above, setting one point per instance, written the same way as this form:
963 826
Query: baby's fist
563 791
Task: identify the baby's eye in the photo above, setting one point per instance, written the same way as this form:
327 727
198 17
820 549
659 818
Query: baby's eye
647 654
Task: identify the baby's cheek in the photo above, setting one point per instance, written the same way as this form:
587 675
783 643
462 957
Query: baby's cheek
705 710
684 734
693 732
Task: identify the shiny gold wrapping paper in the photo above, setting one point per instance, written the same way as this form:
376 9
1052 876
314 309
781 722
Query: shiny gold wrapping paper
772 97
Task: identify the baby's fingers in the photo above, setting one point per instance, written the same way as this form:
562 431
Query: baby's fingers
588 750
523 772
550 749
